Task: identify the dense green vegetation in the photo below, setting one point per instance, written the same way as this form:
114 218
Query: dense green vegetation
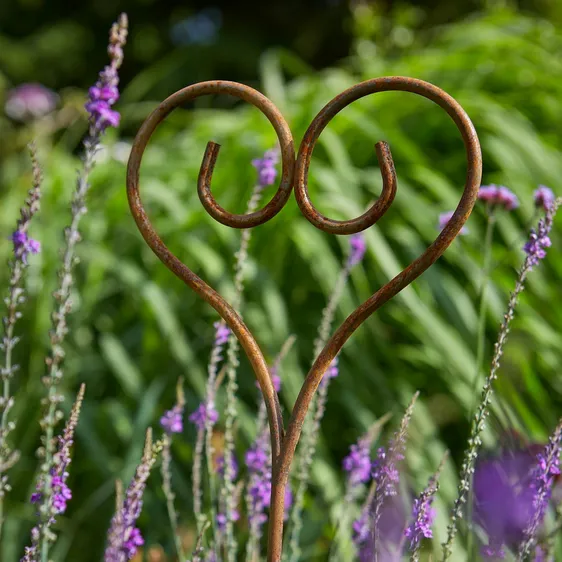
137 329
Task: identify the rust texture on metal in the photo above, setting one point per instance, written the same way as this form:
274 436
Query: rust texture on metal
295 174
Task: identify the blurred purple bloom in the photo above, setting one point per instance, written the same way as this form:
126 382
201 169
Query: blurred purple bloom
492 552
24 245
544 197
222 333
203 413
172 420
542 482
257 457
30 101
221 519
444 219
358 247
498 195
503 497
358 463
390 533
539 240
267 173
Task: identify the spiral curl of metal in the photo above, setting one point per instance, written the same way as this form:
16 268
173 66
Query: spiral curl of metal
295 173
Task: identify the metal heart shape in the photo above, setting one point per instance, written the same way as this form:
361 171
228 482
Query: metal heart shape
295 173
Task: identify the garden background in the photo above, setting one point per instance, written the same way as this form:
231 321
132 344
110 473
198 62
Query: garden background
136 328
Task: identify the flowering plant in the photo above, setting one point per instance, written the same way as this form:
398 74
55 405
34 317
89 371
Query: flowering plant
509 497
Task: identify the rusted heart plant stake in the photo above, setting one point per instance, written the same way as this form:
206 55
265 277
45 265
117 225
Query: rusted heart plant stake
284 441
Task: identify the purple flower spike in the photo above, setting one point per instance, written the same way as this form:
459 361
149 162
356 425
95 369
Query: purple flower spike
544 197
172 420
203 413
222 333
54 494
539 240
358 249
444 219
542 482
498 195
257 457
124 537
424 516
358 464
267 173
105 93
384 471
30 101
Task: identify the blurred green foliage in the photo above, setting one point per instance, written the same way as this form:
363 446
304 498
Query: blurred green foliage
136 328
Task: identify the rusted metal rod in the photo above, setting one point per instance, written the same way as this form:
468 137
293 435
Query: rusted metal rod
230 316
284 445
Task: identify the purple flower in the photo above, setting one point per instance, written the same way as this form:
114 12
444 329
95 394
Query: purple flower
102 114
267 173
544 197
30 101
53 495
257 458
132 542
109 94
172 420
105 93
258 498
204 413
539 240
222 333
384 471
444 219
498 195
423 517
503 497
61 493
358 248
123 535
542 482
358 464
389 537
23 245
